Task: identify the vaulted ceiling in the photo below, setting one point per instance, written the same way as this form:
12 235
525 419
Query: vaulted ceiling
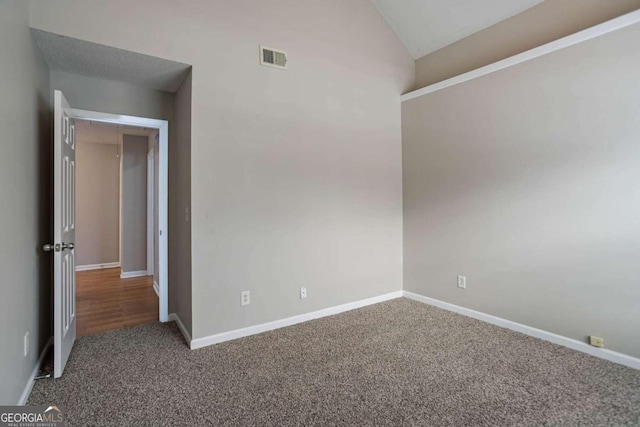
425 26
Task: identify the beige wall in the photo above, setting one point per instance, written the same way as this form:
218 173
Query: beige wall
25 188
106 96
179 201
549 21
97 202
296 175
526 181
133 203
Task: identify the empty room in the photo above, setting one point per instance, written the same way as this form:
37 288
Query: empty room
320 212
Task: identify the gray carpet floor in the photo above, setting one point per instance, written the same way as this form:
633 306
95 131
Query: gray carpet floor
398 363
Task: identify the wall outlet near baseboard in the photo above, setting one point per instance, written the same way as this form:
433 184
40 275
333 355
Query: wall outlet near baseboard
27 344
245 298
462 282
596 341
303 293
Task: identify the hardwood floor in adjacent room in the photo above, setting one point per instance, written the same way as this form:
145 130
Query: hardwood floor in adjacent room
105 301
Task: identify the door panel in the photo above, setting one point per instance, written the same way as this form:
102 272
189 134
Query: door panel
64 275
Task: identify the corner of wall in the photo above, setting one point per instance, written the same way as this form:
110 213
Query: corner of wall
25 273
180 223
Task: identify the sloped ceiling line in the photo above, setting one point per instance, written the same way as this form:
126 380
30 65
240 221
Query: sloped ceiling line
425 26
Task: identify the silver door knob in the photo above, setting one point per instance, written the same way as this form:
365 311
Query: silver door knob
58 247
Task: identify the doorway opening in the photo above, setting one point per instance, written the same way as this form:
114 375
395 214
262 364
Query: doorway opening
121 226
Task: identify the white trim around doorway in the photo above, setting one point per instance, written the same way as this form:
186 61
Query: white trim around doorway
163 190
150 222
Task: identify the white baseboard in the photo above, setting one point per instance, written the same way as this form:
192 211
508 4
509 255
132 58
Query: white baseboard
574 344
156 288
97 266
277 324
32 378
173 317
131 274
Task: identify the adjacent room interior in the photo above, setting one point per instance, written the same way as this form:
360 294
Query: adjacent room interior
371 212
116 226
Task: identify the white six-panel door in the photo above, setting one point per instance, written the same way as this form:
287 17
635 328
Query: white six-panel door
64 277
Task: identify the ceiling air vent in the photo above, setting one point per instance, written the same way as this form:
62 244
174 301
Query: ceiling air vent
273 58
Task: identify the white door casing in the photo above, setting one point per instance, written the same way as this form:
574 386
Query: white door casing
150 204
163 184
64 201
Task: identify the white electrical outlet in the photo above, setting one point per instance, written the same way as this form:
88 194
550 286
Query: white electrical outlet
27 344
303 293
245 298
462 282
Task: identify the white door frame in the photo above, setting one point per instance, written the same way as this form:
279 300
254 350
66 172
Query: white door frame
150 224
163 187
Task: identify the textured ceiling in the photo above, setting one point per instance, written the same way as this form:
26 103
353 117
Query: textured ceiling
425 26
105 133
95 60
